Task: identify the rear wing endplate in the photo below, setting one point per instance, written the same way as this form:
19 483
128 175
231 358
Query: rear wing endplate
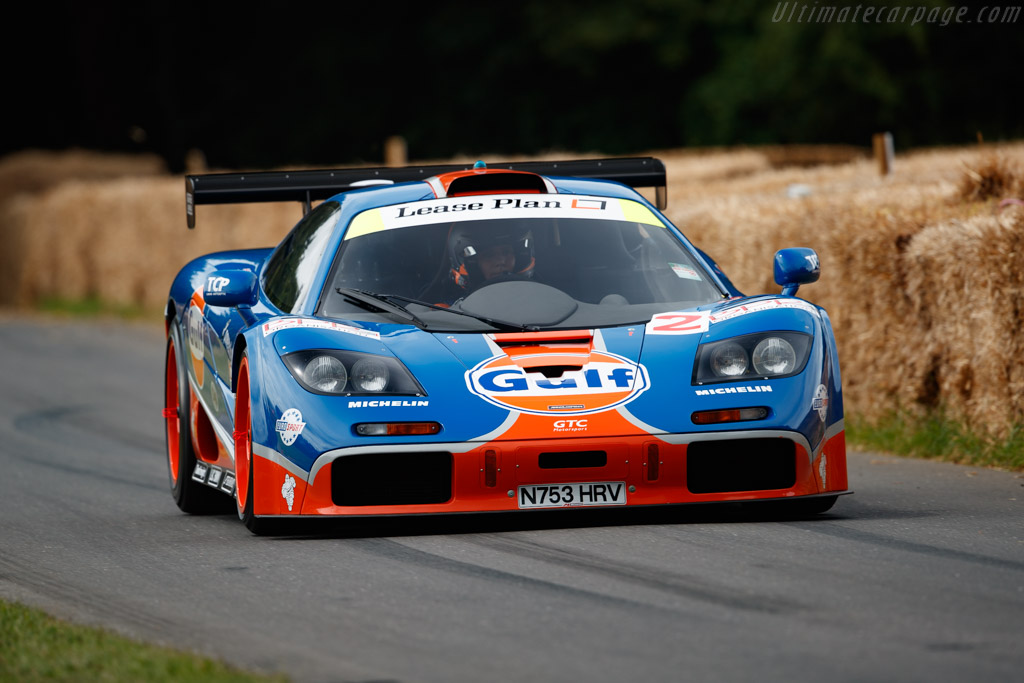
310 186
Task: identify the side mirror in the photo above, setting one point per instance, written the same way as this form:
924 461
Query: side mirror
231 288
795 267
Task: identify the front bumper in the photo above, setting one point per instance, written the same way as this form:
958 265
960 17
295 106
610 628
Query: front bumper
448 478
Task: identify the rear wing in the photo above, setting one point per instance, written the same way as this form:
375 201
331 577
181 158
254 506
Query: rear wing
309 186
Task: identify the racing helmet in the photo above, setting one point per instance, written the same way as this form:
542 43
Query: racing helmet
469 243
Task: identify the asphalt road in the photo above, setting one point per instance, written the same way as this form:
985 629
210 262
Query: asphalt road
919 576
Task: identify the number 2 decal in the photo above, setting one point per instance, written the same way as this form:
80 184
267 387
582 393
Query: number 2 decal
678 323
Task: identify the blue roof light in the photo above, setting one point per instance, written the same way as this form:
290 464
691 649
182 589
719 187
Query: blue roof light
479 164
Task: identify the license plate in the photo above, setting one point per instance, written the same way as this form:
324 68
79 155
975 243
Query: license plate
572 495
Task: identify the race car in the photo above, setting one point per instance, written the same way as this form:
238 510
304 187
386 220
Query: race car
489 338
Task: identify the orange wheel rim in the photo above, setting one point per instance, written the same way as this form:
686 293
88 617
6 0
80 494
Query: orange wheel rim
172 412
243 441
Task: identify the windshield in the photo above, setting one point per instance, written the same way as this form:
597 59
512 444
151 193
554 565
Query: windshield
570 262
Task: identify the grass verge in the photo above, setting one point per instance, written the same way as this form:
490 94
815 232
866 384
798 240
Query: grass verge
37 647
937 437
93 307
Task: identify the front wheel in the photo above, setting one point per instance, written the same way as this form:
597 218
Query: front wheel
190 496
245 466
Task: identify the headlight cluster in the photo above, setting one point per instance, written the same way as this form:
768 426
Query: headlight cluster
762 355
329 371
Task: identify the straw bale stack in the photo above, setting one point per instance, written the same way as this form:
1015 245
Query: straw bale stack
921 278
37 170
121 241
965 279
922 270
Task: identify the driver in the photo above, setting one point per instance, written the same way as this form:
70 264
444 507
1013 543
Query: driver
496 260
483 253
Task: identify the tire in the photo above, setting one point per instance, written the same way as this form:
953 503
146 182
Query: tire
244 461
191 496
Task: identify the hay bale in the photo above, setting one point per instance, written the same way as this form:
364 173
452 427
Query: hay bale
922 278
890 250
122 241
37 170
994 176
966 280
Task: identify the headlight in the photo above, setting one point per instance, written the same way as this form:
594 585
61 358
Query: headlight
753 356
326 374
370 375
728 360
774 356
346 373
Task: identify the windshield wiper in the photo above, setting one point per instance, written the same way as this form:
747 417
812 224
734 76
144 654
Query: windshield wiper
379 302
387 298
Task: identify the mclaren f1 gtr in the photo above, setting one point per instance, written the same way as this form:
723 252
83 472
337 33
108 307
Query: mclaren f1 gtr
514 337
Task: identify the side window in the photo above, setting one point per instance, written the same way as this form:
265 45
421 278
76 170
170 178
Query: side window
290 271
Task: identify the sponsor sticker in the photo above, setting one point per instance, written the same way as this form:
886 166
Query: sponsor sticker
746 389
195 331
312 323
217 283
289 426
820 401
288 491
390 403
822 468
606 381
215 477
454 209
570 425
685 272
758 306
506 206
200 472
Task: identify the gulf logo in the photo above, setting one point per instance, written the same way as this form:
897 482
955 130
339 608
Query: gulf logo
602 382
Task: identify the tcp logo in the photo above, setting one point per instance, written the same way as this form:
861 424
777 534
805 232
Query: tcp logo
217 284
604 382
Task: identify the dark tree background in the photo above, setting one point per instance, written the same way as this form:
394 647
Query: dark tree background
263 84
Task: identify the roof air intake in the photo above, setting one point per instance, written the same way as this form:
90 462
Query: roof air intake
497 181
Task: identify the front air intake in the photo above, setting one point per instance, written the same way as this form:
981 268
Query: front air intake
392 479
740 465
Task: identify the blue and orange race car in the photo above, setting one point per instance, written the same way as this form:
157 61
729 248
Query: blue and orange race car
452 339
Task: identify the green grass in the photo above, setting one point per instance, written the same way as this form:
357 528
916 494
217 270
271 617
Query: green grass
93 307
936 436
37 647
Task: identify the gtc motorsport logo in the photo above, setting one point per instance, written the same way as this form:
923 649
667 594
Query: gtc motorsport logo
569 426
604 382
290 425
